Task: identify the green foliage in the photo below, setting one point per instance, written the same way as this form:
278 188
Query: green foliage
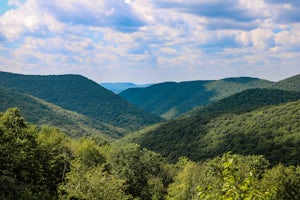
28 169
171 99
88 154
185 185
88 177
239 178
242 123
94 183
81 95
142 170
43 163
234 177
286 180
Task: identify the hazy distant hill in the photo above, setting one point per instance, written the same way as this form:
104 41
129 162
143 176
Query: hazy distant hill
243 123
79 94
40 112
119 87
170 99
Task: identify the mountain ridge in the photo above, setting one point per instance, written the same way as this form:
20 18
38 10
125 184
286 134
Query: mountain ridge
118 87
188 136
40 112
180 97
81 95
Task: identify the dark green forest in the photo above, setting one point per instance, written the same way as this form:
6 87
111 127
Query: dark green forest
79 94
40 112
43 163
245 123
171 99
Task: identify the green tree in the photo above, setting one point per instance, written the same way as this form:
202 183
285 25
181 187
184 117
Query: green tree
92 183
55 156
240 178
286 180
21 173
142 170
186 183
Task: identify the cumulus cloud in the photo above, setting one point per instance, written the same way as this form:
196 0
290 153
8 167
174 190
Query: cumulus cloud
157 39
116 14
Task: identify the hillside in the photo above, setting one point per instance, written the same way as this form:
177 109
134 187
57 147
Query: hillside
248 100
120 87
81 95
234 124
290 84
171 99
40 112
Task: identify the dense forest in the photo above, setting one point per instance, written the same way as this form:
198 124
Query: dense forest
43 163
179 98
79 94
245 123
66 137
40 112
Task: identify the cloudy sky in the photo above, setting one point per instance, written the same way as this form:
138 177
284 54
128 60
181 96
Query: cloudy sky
147 41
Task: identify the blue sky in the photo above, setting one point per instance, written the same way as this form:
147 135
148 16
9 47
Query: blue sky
151 40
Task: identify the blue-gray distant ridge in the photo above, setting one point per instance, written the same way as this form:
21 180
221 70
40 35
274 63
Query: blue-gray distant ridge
121 86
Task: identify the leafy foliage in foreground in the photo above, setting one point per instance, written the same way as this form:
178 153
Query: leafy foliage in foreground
46 164
231 126
81 95
31 167
171 99
236 177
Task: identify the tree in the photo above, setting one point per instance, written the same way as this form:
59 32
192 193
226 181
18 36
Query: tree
142 170
239 178
92 183
21 174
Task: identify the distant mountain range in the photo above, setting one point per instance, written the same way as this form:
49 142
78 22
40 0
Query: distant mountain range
171 99
81 95
119 87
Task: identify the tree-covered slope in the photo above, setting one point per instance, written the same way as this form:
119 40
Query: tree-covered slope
40 112
171 99
79 94
290 84
237 123
43 163
248 100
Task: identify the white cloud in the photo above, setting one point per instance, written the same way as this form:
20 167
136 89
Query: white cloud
14 2
157 39
29 18
262 38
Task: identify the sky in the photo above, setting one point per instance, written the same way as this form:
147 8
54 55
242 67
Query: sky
150 41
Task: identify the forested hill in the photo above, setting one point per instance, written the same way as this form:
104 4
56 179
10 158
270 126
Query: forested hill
290 84
171 99
79 94
247 100
40 112
230 125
